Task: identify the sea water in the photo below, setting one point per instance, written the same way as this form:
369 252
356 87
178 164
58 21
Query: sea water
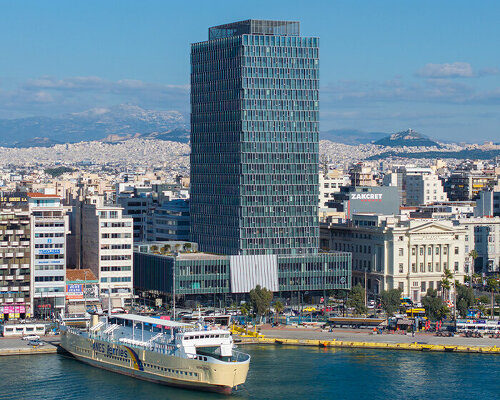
276 372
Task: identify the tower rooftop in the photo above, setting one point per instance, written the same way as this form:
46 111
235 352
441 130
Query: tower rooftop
255 27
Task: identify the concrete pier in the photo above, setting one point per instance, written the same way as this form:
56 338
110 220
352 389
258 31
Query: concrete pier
17 346
365 339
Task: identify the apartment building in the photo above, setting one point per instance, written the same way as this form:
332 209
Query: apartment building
107 247
50 227
391 253
423 187
466 184
362 175
483 235
16 292
330 183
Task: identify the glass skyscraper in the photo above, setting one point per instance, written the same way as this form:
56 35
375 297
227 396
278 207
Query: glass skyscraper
255 140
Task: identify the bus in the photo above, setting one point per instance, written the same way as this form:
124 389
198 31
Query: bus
406 302
478 325
415 312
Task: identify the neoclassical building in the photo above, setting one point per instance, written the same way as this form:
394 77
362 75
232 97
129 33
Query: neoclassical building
393 253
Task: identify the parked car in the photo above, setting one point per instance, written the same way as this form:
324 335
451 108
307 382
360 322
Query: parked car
31 337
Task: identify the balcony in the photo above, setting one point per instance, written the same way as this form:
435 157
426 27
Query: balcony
8 255
8 232
19 255
9 277
4 266
19 231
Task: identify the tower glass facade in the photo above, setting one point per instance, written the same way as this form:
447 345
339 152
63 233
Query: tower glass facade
255 139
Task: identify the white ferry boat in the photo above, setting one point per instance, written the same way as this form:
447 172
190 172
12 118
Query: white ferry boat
161 351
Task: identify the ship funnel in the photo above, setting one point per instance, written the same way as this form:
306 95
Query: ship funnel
94 320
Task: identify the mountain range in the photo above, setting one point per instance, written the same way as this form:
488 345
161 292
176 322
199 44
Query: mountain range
108 124
126 121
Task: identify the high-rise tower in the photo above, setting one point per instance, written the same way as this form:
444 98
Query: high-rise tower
255 139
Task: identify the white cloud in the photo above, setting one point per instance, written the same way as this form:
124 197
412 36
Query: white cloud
52 96
453 70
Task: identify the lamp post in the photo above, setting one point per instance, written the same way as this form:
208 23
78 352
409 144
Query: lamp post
84 293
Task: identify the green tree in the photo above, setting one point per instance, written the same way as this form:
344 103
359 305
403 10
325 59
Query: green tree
465 299
435 309
154 248
261 300
55 172
390 300
357 299
245 309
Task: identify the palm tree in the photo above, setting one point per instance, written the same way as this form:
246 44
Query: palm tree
278 308
493 287
446 283
473 254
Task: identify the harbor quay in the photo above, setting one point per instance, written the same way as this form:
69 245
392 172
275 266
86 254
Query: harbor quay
17 346
345 338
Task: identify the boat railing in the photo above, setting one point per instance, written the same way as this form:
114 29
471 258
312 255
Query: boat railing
238 356
164 348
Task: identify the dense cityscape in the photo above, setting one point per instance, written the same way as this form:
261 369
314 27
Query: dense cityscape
149 256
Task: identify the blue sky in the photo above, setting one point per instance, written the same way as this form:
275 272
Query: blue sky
433 66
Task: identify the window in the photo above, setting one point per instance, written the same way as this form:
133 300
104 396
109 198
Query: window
437 250
401 268
456 250
421 252
456 266
413 251
445 250
413 267
429 251
401 251
422 287
422 267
